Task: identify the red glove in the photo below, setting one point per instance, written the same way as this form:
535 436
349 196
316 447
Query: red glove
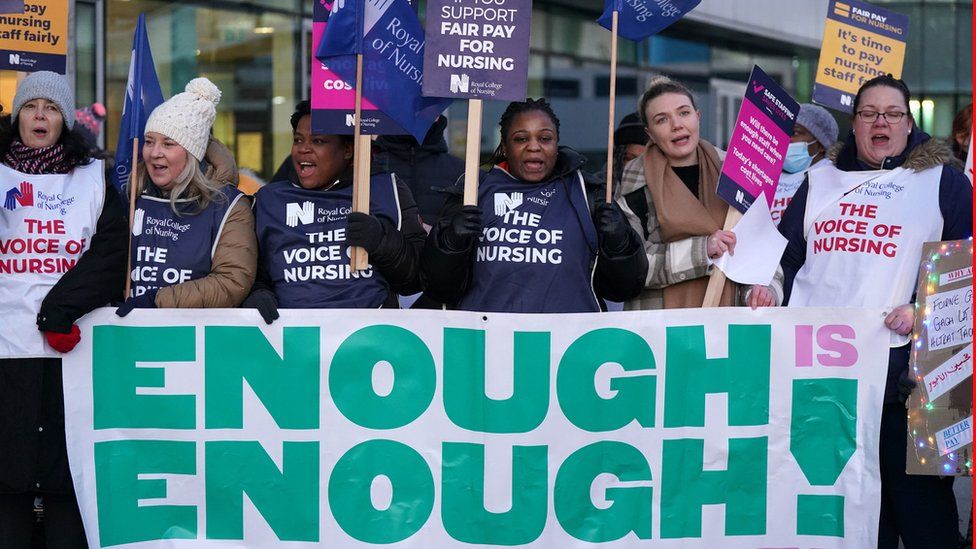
63 343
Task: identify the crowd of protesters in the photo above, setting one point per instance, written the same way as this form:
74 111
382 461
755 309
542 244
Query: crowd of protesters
652 247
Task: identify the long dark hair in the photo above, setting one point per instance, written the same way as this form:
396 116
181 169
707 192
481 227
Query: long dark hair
76 149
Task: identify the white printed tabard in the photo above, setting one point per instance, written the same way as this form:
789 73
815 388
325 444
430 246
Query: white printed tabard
46 223
864 234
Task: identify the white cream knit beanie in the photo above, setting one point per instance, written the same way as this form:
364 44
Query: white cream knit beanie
187 117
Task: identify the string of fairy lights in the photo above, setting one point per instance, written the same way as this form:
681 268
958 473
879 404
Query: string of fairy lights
949 463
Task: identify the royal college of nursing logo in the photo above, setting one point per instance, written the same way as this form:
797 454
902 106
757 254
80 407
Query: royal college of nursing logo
295 213
507 202
22 196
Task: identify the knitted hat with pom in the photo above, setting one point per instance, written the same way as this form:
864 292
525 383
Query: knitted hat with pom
187 117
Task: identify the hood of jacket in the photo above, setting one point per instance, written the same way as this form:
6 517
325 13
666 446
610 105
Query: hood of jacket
921 153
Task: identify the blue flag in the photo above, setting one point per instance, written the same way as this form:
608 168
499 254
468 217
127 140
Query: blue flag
391 39
639 19
142 95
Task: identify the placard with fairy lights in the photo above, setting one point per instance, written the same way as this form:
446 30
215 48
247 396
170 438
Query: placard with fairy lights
940 409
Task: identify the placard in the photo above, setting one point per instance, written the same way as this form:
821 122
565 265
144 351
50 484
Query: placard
333 101
35 39
940 409
860 41
757 148
477 49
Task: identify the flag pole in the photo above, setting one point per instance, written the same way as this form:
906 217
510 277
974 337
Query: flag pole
362 145
613 101
132 213
472 153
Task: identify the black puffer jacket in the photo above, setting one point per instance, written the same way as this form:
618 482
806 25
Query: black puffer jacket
33 458
426 168
446 275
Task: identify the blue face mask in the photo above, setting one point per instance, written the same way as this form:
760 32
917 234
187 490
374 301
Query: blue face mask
797 157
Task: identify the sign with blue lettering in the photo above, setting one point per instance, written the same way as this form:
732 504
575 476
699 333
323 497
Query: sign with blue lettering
477 49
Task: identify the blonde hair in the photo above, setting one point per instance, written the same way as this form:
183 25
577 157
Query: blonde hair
193 188
658 86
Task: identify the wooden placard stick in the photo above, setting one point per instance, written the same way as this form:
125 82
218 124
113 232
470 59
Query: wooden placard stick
472 153
358 257
133 183
716 282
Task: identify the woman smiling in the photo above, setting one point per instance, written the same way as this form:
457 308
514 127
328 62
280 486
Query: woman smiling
193 241
537 242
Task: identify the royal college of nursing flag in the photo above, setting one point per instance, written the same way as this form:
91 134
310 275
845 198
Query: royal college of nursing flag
142 95
389 36
639 19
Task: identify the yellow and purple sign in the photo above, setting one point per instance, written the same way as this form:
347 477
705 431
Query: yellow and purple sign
35 39
860 41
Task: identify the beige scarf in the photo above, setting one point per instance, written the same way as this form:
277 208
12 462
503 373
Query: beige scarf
681 215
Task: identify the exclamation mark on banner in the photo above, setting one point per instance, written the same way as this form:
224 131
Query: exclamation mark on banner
823 437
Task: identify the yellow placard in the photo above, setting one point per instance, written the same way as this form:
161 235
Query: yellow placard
850 56
42 28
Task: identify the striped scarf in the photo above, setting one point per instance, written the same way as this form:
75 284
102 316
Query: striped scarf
45 160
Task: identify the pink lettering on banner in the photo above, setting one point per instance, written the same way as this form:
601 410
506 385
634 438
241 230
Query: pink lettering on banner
833 339
839 353
804 346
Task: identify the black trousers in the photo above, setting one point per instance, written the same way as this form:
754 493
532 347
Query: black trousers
63 528
921 510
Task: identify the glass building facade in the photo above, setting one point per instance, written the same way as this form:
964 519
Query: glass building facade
259 51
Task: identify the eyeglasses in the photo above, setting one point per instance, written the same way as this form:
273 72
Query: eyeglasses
893 117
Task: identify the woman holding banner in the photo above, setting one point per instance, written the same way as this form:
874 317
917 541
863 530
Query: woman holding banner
63 236
669 196
890 178
536 242
193 239
305 229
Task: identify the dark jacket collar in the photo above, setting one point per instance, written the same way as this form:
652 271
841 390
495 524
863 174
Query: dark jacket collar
921 153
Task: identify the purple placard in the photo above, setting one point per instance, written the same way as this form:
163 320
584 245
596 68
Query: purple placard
758 145
477 49
11 6
334 101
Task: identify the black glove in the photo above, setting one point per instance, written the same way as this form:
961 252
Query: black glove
265 302
611 228
462 229
905 386
365 231
144 301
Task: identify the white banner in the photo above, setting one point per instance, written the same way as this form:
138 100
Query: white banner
690 428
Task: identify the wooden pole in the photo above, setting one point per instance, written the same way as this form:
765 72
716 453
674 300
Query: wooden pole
716 282
472 153
359 259
613 101
133 183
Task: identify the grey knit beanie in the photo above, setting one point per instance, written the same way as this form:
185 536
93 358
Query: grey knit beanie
187 117
46 85
819 122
